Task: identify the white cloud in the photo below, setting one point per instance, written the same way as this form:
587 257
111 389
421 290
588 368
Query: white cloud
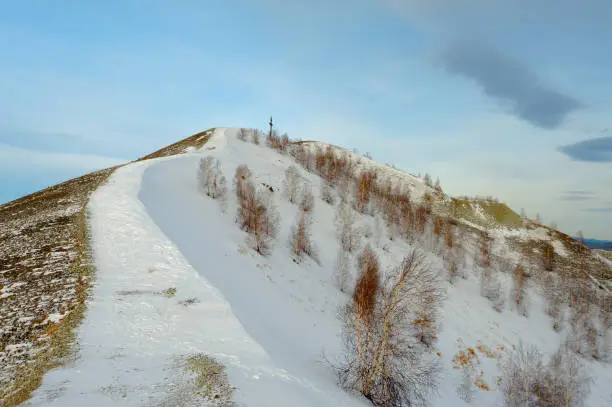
13 159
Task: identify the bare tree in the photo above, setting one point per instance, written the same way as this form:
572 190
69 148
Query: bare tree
343 187
422 215
242 134
219 186
359 323
519 290
256 136
605 325
584 337
342 270
291 184
491 289
363 191
211 179
549 257
327 193
284 142
449 235
242 176
528 381
218 181
306 198
452 267
345 227
552 288
273 139
437 185
300 238
205 173
366 289
485 249
256 213
384 361
266 219
379 229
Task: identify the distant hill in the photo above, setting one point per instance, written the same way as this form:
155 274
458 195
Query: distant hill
598 244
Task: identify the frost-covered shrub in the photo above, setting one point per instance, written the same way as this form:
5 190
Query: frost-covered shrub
528 381
385 361
327 193
306 198
291 184
348 234
256 213
300 237
211 179
491 288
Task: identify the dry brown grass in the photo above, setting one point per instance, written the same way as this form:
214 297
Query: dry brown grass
465 358
366 288
211 380
197 141
45 267
576 264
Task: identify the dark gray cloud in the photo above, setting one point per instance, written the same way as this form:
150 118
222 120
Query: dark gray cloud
594 150
510 82
579 192
600 209
576 197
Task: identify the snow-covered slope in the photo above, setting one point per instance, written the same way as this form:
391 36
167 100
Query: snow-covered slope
175 278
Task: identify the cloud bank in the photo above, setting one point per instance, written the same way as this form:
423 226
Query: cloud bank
597 150
577 195
510 82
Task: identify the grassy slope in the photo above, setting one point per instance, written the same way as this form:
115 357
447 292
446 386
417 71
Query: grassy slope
45 272
196 141
43 247
495 213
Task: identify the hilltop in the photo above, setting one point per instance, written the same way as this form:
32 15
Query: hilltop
179 297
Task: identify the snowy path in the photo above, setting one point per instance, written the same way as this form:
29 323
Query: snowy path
132 335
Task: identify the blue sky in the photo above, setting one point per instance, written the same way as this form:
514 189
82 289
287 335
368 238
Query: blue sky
494 97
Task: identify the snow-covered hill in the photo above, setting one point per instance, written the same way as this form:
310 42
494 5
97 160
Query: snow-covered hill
176 282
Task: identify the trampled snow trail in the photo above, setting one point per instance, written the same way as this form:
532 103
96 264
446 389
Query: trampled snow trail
267 319
132 334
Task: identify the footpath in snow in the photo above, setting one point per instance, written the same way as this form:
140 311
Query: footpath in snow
133 334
